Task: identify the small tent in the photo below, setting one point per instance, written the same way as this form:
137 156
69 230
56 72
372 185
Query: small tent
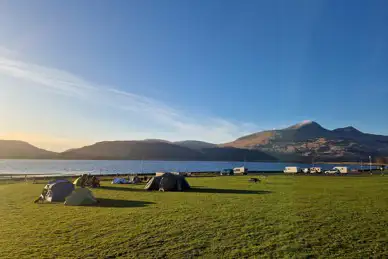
135 179
80 196
87 180
80 181
120 181
57 191
168 182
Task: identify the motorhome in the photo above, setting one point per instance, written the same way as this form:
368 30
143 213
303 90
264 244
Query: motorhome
315 170
240 171
291 170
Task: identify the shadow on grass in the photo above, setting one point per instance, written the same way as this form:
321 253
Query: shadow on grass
121 188
108 203
112 203
193 189
230 191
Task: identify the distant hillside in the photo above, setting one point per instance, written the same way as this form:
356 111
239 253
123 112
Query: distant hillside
156 140
303 142
195 144
134 150
309 139
15 149
159 150
299 132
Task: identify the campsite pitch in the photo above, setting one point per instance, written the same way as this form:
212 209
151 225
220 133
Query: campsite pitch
283 216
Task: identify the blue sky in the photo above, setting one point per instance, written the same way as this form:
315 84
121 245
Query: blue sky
76 72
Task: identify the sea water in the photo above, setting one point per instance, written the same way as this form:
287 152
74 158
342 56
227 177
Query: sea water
16 166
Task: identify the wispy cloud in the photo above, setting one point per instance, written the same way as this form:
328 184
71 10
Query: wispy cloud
175 125
4 51
134 102
54 79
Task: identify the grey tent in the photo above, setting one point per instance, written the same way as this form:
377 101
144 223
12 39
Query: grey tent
168 182
58 190
135 179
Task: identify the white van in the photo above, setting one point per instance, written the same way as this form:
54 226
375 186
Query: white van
291 170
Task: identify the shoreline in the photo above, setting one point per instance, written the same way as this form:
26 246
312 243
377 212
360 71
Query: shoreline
26 177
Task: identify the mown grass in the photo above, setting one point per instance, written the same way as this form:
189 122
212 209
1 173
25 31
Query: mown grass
284 216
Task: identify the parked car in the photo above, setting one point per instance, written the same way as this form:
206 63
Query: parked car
226 172
332 171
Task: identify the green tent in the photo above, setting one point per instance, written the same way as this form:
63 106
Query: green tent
168 182
79 197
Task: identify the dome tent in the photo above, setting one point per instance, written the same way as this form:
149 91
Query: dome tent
81 181
56 191
168 182
87 180
80 196
120 181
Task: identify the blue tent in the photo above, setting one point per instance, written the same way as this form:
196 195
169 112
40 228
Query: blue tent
120 181
58 190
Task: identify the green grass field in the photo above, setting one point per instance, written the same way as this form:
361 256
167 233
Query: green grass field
284 216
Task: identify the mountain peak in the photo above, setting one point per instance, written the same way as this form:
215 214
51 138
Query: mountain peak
156 140
303 124
348 129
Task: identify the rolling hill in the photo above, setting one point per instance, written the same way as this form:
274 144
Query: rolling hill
302 142
15 149
195 144
161 150
309 139
134 150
